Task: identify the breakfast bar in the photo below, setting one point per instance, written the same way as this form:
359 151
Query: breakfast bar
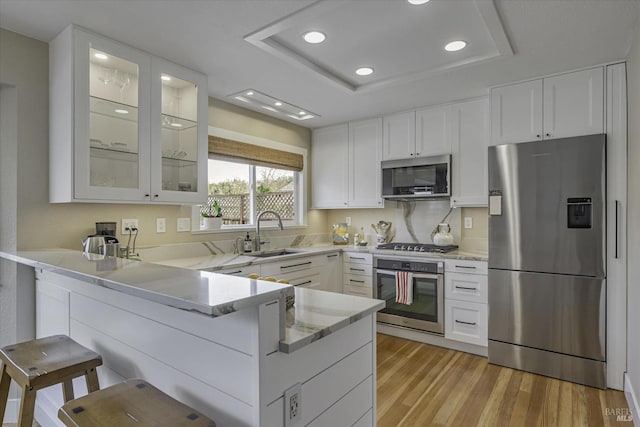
226 346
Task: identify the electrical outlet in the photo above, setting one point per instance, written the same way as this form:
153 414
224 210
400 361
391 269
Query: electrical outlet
348 221
292 405
468 222
161 225
184 224
128 224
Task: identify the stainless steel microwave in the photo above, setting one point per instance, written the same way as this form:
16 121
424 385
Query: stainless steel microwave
417 178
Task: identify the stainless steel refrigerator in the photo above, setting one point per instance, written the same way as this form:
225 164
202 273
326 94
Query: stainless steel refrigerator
547 258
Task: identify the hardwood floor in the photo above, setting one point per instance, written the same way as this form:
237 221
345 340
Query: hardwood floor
424 385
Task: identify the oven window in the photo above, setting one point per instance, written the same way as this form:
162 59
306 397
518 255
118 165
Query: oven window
425 298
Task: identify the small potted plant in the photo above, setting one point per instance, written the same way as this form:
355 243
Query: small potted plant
212 218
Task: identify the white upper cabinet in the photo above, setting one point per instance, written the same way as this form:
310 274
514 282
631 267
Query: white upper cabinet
399 136
470 139
516 112
345 167
365 152
574 104
109 134
565 105
433 132
329 167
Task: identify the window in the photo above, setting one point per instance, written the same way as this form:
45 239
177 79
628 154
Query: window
244 187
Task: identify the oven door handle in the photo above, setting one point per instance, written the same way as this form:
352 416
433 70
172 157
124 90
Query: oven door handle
415 275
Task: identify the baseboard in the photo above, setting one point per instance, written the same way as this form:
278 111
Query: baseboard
11 413
427 338
632 399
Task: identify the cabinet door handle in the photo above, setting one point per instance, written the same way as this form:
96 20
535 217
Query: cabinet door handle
332 255
466 266
296 265
146 195
466 323
466 289
232 272
305 283
538 136
547 134
617 213
156 195
356 269
353 257
356 281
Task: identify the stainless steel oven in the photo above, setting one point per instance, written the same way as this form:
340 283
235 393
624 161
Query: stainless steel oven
427 310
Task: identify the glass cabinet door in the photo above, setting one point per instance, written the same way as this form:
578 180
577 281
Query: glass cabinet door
179 146
112 131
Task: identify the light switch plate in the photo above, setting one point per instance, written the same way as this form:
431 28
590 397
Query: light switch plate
161 225
184 224
468 222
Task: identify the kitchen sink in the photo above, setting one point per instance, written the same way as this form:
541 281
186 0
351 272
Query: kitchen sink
277 252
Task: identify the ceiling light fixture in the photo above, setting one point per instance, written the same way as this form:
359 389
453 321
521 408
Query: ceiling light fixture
455 46
277 103
121 111
176 125
241 98
364 71
165 78
100 55
314 37
261 101
418 2
250 93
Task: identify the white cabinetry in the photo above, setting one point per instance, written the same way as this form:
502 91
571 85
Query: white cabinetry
399 136
433 131
125 126
315 271
357 270
570 104
470 139
465 301
333 271
348 153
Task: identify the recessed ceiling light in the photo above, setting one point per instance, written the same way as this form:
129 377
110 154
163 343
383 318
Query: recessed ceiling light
165 78
241 98
418 2
278 104
302 113
121 111
314 37
266 107
176 125
364 71
455 45
249 93
100 55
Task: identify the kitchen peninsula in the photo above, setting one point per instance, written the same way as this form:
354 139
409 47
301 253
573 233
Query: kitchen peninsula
224 345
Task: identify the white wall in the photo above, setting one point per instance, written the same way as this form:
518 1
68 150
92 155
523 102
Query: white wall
633 250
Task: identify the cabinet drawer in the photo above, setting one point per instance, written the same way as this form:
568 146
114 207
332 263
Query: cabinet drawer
237 271
360 291
358 280
358 258
465 321
465 266
277 269
466 287
357 269
307 278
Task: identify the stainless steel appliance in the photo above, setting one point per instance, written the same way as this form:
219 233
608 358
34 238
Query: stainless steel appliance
547 278
417 247
417 178
427 310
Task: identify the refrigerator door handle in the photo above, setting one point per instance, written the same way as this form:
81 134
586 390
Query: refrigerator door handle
616 232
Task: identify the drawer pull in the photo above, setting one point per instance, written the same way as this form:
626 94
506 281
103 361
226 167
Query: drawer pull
233 272
305 283
296 265
356 269
466 323
466 266
331 256
356 281
354 257
466 289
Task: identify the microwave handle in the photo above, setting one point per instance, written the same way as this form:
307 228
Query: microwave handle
415 275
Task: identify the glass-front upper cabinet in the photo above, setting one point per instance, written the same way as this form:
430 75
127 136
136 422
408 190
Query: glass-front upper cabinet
179 123
125 126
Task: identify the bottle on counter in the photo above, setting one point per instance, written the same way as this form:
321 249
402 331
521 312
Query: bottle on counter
356 239
248 244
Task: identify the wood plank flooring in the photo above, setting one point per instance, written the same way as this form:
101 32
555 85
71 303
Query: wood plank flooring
423 385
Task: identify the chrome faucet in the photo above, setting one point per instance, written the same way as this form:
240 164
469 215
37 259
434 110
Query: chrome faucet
256 240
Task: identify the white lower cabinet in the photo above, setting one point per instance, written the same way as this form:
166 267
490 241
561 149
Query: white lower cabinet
357 273
239 271
465 303
320 272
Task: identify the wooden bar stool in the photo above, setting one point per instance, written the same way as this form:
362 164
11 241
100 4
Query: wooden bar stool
133 402
41 363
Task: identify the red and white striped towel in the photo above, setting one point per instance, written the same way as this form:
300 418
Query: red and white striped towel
404 287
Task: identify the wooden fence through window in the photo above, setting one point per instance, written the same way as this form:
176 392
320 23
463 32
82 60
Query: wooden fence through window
235 208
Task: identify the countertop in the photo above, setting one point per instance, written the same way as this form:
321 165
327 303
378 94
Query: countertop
314 315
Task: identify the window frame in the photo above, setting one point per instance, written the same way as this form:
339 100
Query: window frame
300 183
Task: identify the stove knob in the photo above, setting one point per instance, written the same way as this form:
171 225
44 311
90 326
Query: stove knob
403 248
422 249
418 249
396 248
409 248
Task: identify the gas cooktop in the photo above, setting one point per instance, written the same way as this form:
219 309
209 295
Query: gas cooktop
417 247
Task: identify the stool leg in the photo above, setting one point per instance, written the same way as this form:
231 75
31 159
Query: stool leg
27 405
5 382
91 376
67 390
